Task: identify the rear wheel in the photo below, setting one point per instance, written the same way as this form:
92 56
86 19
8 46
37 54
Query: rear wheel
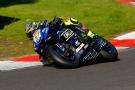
109 52
63 59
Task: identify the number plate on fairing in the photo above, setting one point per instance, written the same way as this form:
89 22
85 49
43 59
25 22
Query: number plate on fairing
67 34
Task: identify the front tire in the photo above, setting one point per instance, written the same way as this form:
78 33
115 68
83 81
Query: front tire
61 61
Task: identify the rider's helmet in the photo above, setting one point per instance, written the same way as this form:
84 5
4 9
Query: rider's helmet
70 21
30 28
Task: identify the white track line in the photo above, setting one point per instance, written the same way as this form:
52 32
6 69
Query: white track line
11 65
121 48
126 36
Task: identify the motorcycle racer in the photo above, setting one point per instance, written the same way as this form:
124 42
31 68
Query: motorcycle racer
35 31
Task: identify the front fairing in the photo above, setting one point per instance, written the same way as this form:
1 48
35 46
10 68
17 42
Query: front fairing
37 36
40 36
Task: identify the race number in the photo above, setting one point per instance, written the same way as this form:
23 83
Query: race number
37 37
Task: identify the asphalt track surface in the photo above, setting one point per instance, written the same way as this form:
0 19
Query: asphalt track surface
119 75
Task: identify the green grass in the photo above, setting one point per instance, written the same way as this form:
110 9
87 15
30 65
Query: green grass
107 18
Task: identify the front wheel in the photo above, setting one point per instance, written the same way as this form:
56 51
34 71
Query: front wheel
57 55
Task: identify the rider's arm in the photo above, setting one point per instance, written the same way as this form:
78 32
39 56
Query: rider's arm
55 23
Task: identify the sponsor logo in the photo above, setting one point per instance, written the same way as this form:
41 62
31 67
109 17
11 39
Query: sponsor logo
91 55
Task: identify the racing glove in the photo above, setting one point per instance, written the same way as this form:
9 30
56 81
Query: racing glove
56 23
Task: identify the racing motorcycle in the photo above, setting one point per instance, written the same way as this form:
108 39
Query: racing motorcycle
71 48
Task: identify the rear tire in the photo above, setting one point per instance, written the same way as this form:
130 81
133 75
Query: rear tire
109 53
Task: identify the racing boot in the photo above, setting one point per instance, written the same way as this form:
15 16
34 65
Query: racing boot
45 61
